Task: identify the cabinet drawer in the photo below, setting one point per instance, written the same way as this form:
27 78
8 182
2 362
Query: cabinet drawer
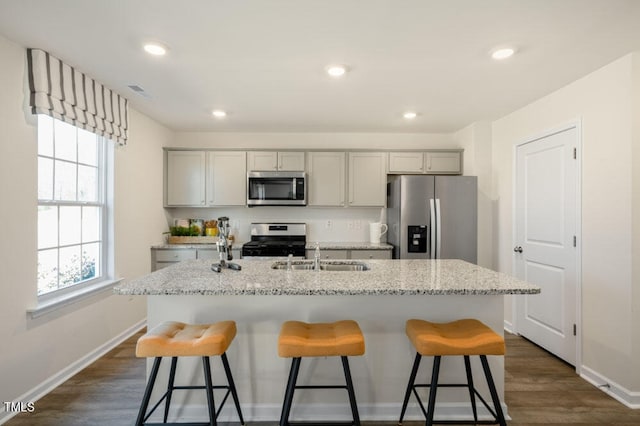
175 255
329 254
370 254
212 254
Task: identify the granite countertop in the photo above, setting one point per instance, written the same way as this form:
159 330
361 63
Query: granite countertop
348 246
385 277
166 246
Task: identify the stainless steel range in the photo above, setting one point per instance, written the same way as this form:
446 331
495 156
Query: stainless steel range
276 241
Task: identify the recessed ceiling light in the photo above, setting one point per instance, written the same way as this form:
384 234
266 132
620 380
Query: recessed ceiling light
218 113
410 115
155 49
503 53
336 70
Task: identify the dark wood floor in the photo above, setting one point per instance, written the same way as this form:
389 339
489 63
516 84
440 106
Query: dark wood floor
540 389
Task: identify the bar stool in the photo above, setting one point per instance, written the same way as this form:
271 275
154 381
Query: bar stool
464 337
177 339
299 339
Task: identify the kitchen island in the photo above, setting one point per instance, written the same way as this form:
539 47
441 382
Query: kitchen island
381 299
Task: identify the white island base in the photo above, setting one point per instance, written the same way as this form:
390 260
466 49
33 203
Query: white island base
380 376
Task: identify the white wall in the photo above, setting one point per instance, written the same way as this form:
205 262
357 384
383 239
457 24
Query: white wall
313 140
33 351
603 101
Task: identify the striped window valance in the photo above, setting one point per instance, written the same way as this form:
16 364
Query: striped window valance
65 93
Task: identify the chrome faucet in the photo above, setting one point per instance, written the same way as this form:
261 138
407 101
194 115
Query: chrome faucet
316 258
224 248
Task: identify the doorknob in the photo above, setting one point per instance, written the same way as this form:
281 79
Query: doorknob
517 249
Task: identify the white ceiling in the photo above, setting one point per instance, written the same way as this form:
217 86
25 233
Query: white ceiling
263 60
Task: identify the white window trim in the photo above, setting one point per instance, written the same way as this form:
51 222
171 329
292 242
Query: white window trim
58 299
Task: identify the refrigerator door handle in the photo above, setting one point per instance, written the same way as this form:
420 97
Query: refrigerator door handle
438 229
432 223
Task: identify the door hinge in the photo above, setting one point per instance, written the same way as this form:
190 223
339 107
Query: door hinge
575 241
574 330
575 153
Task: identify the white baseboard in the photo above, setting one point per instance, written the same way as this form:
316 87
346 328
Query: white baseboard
508 326
65 374
611 388
332 412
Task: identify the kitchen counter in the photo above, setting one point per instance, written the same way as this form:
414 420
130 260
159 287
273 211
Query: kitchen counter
167 246
259 299
385 277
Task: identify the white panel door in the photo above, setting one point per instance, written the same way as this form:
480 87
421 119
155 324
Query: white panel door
545 219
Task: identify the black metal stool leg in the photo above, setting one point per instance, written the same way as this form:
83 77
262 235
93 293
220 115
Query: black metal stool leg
288 396
172 375
492 390
147 392
472 394
232 386
412 380
209 389
432 390
352 394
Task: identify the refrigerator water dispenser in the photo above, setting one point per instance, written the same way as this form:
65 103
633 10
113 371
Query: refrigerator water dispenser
417 238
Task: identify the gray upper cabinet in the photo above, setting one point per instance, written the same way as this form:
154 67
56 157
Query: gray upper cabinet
226 178
367 179
205 178
406 162
326 178
435 162
445 162
185 176
275 161
211 178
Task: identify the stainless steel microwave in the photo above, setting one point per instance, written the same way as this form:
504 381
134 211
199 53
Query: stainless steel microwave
276 189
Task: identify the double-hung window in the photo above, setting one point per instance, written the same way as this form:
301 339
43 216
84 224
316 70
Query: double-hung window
72 208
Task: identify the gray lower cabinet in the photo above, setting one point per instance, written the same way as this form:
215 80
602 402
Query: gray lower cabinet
370 254
351 254
161 257
329 254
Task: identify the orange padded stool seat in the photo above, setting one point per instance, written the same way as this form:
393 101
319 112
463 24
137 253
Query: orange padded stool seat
180 339
176 339
299 339
464 337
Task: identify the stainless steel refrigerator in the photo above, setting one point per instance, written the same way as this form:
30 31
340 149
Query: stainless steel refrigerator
433 217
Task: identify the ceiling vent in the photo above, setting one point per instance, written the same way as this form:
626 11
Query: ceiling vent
139 90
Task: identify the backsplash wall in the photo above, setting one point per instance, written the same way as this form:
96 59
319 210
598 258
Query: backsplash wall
323 224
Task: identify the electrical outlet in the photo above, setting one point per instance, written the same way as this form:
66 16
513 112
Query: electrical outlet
328 224
350 225
357 225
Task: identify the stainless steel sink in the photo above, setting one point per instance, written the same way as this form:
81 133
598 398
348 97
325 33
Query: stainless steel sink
332 265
